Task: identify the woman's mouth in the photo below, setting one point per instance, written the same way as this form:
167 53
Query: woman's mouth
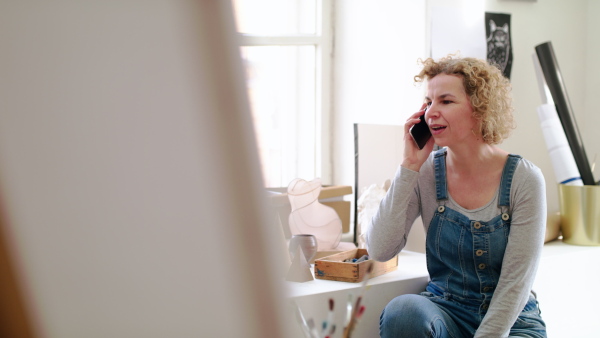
436 129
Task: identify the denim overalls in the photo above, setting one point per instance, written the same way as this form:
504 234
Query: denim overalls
464 257
464 260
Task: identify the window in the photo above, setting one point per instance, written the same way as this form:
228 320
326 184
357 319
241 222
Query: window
286 48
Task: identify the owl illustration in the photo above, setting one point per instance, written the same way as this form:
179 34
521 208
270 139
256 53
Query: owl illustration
498 45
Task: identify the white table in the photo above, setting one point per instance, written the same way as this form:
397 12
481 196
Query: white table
566 284
567 287
313 296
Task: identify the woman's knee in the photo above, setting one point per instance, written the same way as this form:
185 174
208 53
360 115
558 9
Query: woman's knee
409 316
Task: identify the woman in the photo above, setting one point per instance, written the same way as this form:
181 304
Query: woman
483 209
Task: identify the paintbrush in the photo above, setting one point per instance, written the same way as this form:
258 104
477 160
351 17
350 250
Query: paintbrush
348 310
314 332
356 319
329 322
366 278
303 322
350 328
331 331
350 322
362 289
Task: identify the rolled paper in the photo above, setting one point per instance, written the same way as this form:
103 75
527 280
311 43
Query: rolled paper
553 78
563 162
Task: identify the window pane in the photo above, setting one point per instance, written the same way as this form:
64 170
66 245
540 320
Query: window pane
276 17
281 87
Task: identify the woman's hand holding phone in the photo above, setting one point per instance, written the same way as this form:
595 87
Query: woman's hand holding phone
418 142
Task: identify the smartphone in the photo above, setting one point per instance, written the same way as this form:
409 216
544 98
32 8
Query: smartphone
420 132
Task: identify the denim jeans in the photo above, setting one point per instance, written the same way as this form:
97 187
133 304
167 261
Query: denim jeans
428 315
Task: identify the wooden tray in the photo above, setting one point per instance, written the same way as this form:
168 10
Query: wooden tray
334 268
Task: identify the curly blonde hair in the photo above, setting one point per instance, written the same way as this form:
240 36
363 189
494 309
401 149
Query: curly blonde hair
488 91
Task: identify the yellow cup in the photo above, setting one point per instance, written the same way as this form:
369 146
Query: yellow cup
580 214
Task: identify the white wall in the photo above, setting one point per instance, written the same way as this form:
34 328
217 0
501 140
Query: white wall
379 41
563 23
129 172
591 110
377 44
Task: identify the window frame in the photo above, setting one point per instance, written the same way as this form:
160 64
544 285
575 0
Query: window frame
323 41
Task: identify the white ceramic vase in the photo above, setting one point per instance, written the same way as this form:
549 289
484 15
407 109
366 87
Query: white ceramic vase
307 243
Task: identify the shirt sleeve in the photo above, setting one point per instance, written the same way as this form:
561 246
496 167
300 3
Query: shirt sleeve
390 226
522 255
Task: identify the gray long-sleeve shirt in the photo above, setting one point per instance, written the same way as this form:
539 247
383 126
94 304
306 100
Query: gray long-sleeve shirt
413 193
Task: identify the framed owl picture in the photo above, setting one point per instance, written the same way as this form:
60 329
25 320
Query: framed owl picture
498 40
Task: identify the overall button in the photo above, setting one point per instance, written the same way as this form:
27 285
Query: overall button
485 306
441 208
505 216
481 266
479 252
476 225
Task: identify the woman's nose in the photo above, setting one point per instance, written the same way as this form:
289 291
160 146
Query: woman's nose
431 111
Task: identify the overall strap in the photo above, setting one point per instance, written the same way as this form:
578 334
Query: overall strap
439 163
507 176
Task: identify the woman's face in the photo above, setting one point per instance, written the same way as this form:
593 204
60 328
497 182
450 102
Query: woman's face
449 113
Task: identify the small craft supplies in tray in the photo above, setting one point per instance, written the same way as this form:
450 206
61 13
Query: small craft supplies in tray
340 267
